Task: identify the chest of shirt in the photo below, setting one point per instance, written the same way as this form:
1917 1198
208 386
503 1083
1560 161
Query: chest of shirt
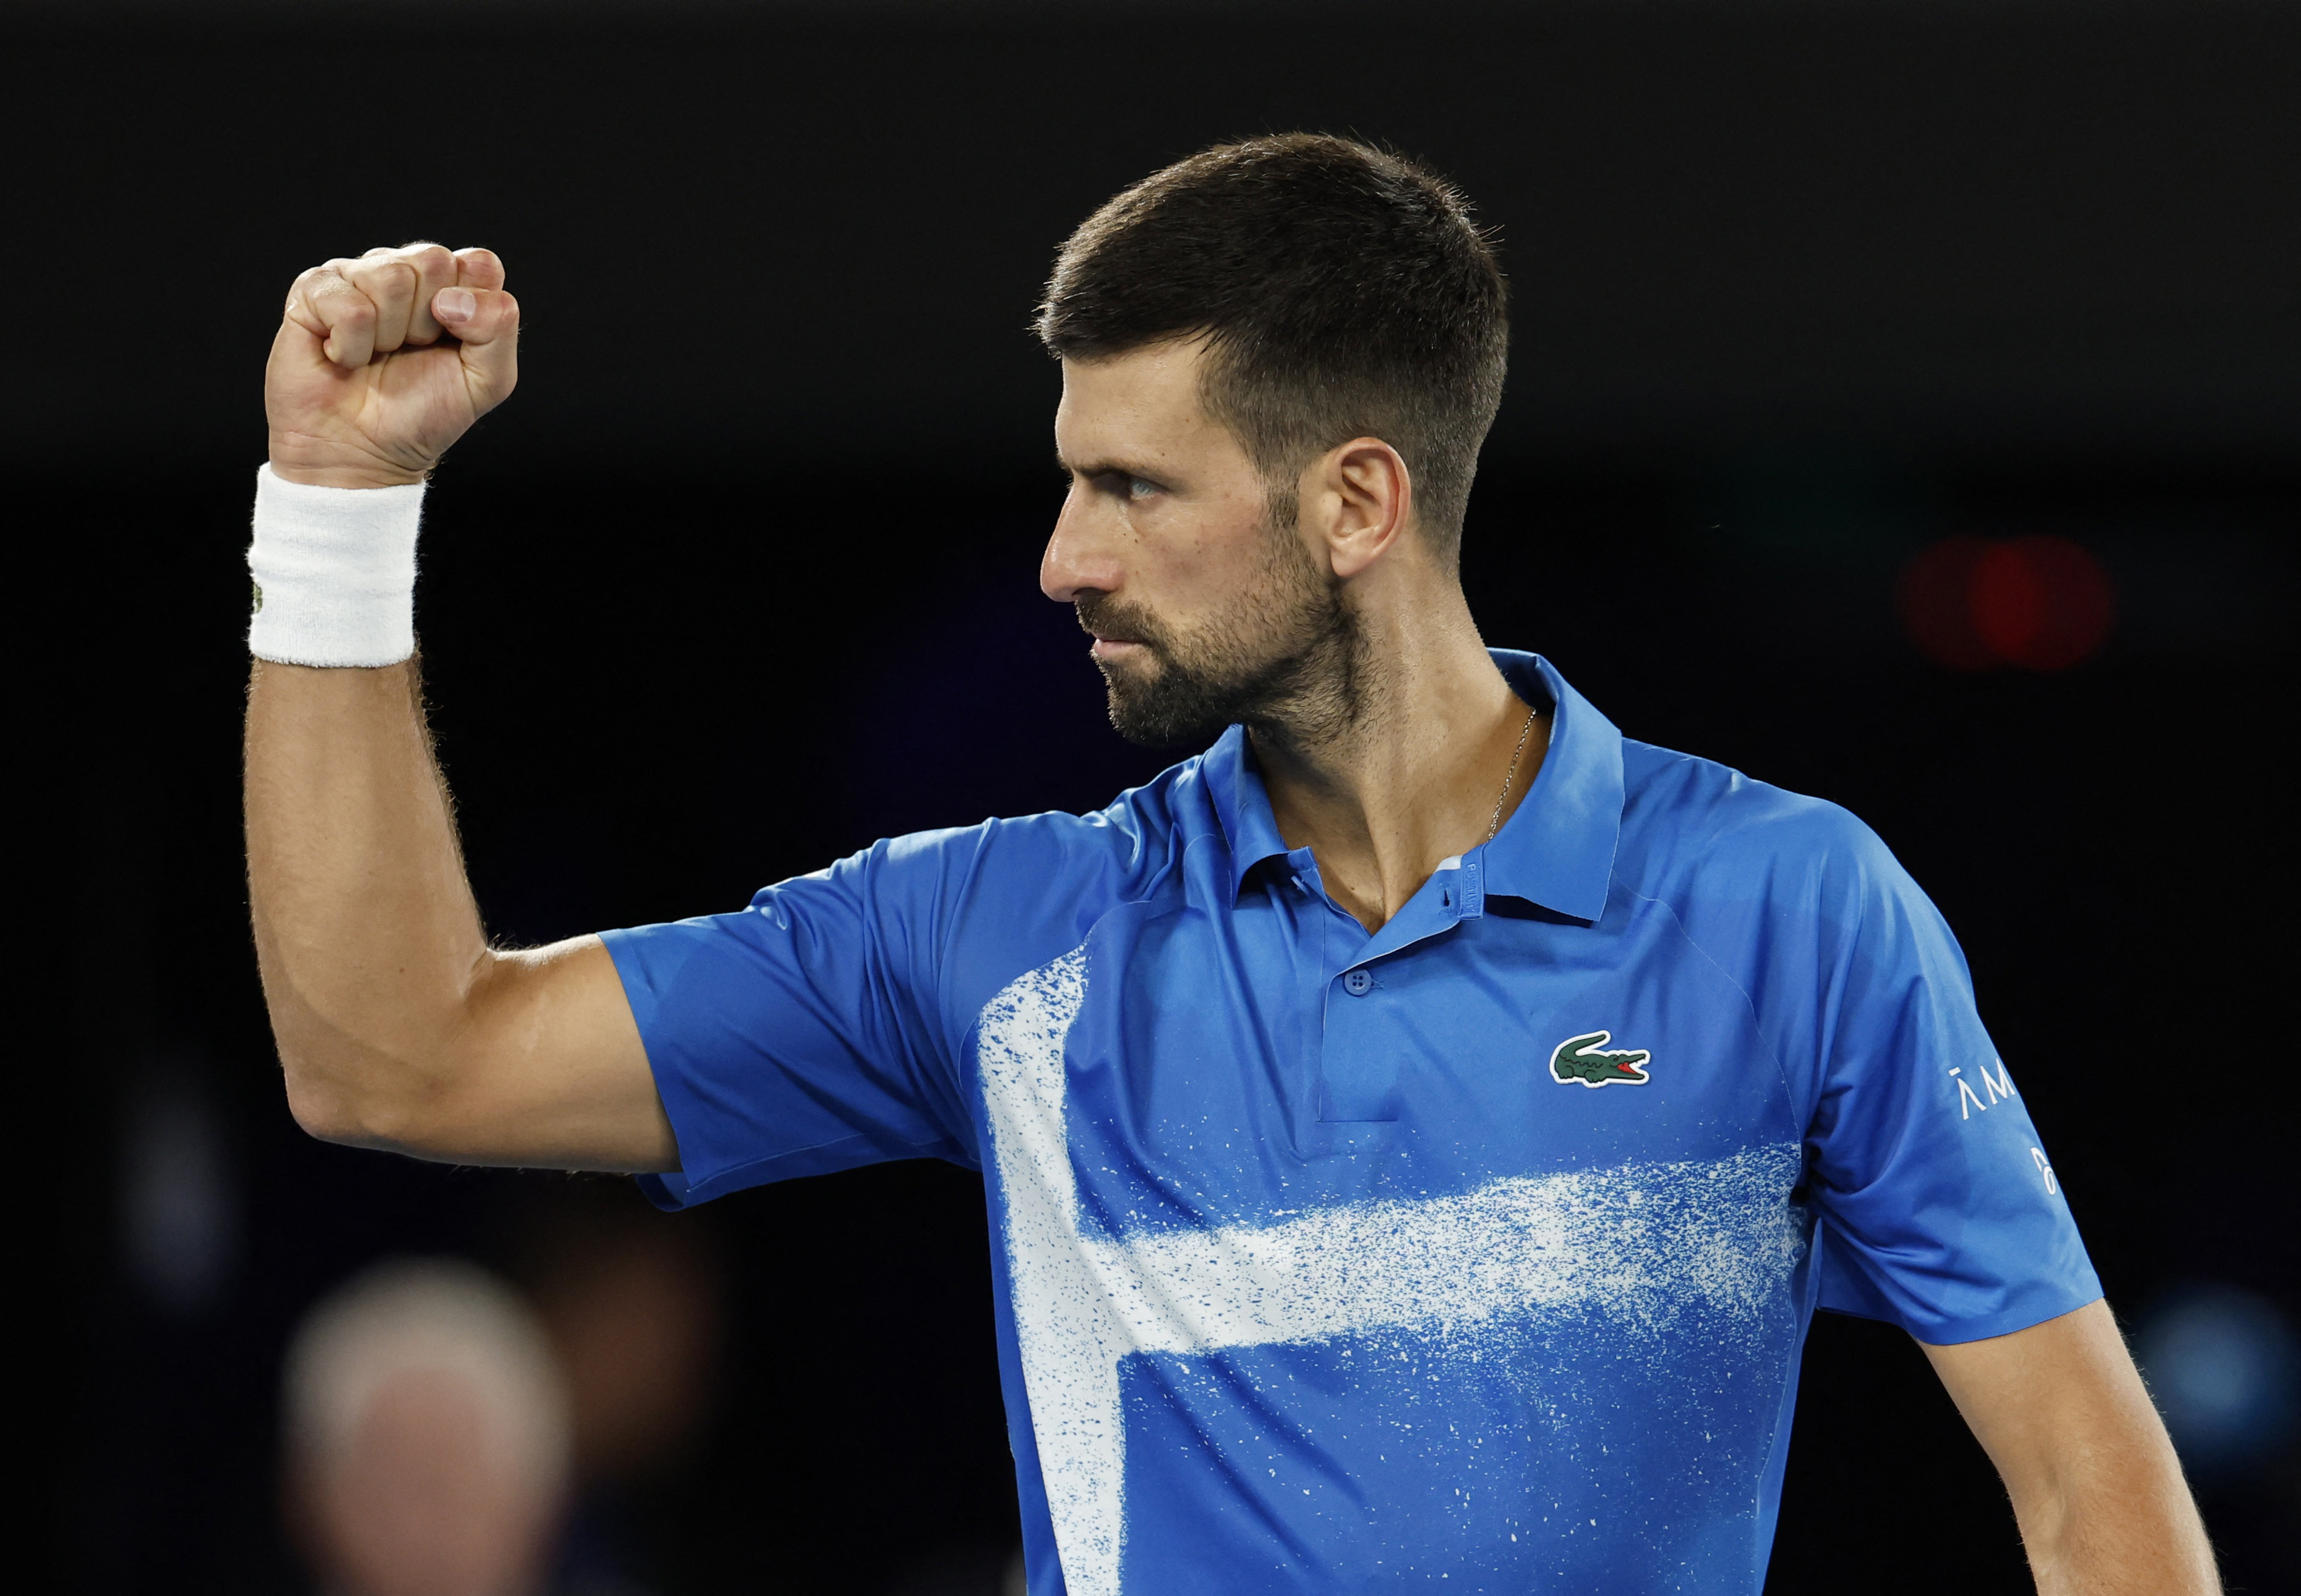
1235 1067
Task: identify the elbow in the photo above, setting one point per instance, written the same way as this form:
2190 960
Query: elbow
389 1075
372 1107
322 1112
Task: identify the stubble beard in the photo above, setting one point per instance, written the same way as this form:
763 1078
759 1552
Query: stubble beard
1284 657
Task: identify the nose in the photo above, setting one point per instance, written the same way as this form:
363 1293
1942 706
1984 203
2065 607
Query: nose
1080 557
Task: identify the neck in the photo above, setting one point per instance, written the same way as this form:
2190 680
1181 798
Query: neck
1398 765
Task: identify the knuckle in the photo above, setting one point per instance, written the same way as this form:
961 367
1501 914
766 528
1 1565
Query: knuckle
380 274
480 268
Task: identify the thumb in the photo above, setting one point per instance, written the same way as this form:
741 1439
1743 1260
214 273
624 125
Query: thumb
486 322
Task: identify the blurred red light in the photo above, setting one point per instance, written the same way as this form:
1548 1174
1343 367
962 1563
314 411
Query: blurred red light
2040 602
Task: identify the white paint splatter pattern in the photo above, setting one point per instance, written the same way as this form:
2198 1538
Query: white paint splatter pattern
1638 1244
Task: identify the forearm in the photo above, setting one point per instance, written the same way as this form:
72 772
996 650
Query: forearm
366 933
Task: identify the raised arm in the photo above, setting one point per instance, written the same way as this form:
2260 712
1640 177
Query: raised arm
2096 1489
398 1026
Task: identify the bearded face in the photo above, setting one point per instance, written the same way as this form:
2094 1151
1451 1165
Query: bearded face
1278 654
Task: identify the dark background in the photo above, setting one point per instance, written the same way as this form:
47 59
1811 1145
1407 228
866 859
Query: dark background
743 577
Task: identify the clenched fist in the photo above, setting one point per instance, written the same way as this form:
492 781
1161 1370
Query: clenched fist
384 361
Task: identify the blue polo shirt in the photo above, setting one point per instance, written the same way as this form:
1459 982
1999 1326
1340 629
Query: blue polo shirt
1480 1248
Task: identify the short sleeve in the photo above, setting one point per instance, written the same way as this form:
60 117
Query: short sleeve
1939 1209
803 1034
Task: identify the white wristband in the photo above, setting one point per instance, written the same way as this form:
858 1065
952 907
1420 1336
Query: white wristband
335 573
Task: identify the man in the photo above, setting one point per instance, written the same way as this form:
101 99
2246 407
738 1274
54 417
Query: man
1416 1132
427 1437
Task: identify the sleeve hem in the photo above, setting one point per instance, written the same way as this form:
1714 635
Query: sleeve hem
2026 1318
2035 1310
675 1191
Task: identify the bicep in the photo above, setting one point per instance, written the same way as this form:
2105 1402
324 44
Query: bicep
550 1071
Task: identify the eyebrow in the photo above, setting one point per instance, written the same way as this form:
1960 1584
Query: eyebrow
1099 468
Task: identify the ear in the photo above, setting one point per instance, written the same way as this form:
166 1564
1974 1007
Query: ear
1358 501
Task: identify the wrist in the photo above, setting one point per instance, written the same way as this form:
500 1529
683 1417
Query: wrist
334 571
316 463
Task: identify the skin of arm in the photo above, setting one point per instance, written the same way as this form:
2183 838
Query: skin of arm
2096 1488
398 1025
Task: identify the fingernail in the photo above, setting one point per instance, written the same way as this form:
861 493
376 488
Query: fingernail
454 304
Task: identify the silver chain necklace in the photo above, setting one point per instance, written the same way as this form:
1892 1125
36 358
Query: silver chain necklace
1509 775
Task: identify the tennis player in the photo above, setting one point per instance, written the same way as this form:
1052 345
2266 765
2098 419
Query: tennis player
1417 1130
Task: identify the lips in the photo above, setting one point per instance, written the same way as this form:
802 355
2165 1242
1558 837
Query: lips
1109 641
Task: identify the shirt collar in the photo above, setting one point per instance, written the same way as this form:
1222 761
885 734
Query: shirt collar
1557 850
1243 805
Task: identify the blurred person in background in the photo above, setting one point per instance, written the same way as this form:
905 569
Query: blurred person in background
1416 1131
426 1438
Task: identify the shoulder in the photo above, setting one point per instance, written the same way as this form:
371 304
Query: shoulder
1794 897
1682 816
979 906
1113 854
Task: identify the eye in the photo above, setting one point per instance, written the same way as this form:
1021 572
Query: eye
1127 486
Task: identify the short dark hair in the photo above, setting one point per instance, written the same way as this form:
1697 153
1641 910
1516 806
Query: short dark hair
1343 291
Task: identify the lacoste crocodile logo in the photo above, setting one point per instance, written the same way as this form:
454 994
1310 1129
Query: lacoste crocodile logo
1587 1060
